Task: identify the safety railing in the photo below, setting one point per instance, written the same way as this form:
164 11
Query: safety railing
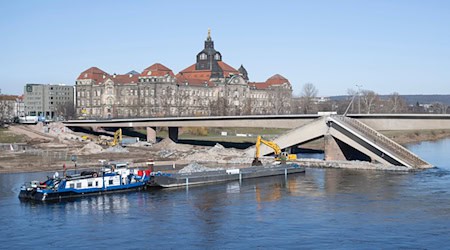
384 142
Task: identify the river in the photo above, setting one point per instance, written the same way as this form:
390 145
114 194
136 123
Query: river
323 208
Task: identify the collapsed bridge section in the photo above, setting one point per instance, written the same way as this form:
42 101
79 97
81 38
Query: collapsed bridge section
348 139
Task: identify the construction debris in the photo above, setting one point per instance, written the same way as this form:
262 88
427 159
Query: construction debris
168 144
194 167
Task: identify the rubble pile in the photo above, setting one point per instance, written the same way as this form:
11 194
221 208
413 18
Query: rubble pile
194 167
168 144
218 153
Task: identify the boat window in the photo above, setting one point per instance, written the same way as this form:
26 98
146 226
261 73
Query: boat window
72 185
96 183
79 185
90 184
110 182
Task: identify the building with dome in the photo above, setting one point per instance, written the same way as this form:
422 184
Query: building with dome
208 87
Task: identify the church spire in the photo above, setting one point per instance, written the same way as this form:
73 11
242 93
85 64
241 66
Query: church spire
209 35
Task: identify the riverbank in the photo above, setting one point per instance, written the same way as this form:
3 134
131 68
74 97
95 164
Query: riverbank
50 152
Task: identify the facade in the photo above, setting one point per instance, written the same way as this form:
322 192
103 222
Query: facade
11 106
207 87
48 100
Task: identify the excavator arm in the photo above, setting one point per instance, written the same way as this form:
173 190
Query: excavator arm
117 137
282 156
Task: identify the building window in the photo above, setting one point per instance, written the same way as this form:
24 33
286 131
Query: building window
202 56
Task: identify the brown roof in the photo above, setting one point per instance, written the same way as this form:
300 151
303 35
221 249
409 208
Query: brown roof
272 81
157 69
182 79
93 73
191 73
124 79
204 75
227 69
259 85
277 80
9 97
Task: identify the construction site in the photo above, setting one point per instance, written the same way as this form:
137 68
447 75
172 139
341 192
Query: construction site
49 147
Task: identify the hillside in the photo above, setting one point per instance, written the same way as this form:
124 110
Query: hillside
410 99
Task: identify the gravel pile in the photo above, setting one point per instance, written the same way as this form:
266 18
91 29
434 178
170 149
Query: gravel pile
168 144
195 168
216 154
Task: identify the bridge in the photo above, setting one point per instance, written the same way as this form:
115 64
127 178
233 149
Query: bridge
379 122
351 137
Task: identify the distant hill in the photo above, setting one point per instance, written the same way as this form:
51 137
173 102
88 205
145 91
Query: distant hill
410 99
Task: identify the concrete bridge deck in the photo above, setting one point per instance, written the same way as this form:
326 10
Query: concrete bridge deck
376 121
348 139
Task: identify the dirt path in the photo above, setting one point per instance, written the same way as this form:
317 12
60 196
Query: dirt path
21 130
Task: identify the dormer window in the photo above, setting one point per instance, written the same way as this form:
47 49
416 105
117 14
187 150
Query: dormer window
217 57
202 56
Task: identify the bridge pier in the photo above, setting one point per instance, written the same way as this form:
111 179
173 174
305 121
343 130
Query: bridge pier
151 134
332 150
173 133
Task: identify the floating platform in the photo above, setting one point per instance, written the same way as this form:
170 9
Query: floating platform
209 177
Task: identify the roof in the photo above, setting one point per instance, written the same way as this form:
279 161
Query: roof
191 73
227 69
182 79
277 80
259 85
204 75
122 79
93 73
157 69
9 97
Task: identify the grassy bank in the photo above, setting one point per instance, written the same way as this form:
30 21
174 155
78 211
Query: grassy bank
8 137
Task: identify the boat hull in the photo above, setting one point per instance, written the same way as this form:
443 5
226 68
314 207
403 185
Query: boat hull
209 177
37 195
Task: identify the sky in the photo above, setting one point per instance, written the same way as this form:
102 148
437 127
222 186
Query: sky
384 46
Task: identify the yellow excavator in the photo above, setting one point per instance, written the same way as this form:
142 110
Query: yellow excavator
279 156
117 137
116 140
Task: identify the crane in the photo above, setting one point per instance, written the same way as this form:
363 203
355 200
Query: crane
279 156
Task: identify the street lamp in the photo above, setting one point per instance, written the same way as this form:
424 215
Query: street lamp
359 98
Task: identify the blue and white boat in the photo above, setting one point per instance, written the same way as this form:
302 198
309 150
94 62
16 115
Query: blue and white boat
113 177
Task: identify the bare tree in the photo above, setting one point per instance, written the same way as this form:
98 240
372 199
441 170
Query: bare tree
439 108
307 96
396 103
66 110
279 100
5 110
370 99
219 106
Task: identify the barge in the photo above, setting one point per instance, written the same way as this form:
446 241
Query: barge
167 180
114 177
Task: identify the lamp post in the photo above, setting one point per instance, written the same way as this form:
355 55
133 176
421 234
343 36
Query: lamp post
359 98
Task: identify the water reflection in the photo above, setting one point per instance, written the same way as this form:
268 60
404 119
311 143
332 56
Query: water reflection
321 208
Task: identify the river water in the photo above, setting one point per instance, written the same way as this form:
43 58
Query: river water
323 208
